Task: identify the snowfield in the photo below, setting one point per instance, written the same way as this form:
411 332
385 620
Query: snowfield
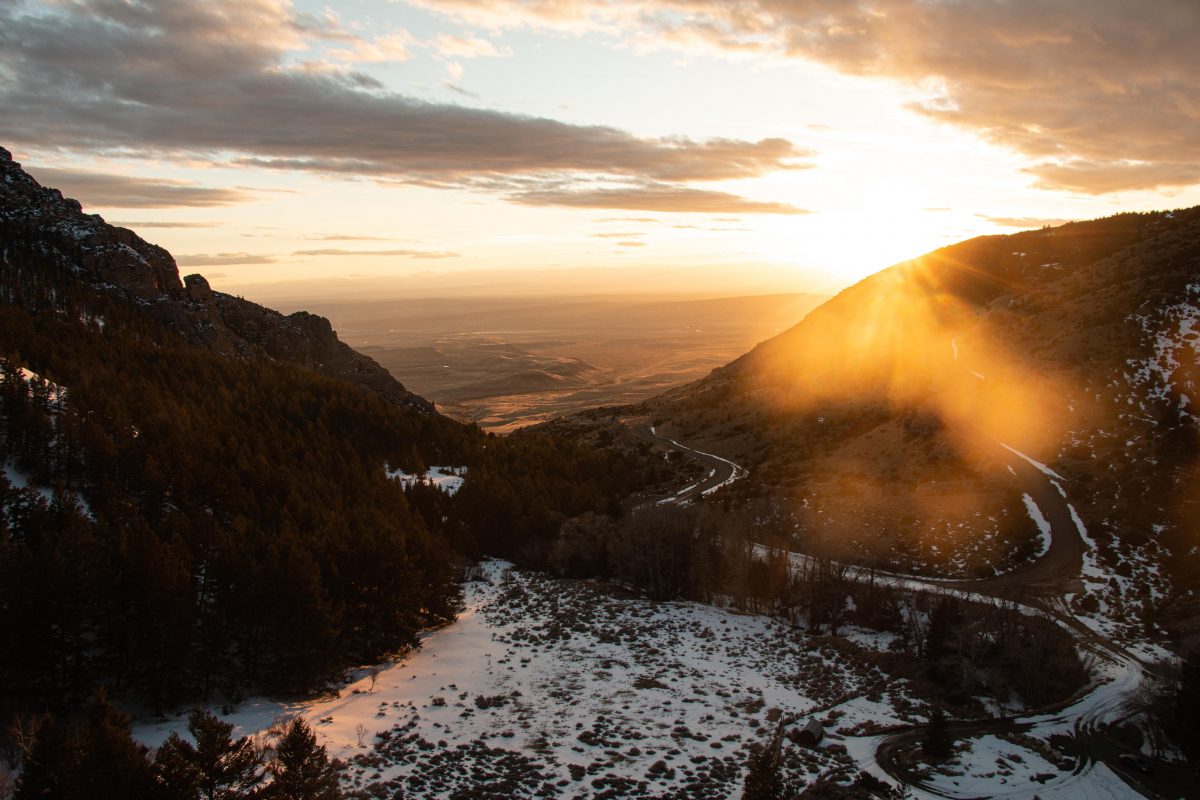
558 688
564 689
448 479
1043 526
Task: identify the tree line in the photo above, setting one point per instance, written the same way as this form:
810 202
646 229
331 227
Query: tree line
956 650
74 756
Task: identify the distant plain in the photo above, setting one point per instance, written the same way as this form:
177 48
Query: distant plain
510 362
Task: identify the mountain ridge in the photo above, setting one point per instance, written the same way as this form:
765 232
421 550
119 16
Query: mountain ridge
118 259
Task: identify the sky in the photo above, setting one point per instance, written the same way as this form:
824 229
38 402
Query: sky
596 146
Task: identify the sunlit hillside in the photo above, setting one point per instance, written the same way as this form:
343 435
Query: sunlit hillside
884 425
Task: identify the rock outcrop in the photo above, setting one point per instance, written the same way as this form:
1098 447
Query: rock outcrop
37 218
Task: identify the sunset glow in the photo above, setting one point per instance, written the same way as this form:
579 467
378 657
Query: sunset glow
433 140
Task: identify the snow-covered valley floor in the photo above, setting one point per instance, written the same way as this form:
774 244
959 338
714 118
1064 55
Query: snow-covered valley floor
557 688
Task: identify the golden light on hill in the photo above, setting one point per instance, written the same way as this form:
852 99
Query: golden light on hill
919 343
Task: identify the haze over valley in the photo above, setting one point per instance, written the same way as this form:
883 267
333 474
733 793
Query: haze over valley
508 362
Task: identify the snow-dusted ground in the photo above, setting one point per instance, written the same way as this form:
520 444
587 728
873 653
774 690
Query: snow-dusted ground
563 687
20 480
990 765
448 479
1172 335
998 767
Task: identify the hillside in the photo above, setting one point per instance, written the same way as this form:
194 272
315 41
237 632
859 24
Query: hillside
875 427
36 219
203 496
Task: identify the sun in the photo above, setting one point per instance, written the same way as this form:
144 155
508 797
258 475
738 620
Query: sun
851 240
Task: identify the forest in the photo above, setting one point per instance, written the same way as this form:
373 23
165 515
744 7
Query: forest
181 525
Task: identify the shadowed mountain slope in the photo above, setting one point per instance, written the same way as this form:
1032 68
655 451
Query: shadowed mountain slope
118 260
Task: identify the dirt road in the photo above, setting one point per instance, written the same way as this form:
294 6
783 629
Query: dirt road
721 471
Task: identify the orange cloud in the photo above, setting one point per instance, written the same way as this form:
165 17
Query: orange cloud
1105 94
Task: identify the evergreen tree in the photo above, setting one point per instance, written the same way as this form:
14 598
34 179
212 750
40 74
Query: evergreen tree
1185 722
937 744
216 767
301 769
74 757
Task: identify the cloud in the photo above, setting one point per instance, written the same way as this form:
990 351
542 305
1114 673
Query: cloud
451 46
125 191
1101 94
1025 223
219 81
222 259
403 253
454 87
1090 177
657 197
346 237
618 235
162 224
389 48
632 244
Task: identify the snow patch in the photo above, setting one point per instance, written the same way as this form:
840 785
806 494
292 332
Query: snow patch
1043 525
448 479
1036 464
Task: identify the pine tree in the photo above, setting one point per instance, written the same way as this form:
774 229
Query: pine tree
71 758
215 768
301 769
937 745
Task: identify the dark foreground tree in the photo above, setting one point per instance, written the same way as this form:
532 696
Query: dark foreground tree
764 780
81 755
216 767
301 769
937 744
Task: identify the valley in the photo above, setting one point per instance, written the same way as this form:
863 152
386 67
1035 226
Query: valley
671 700
508 362
514 399
928 538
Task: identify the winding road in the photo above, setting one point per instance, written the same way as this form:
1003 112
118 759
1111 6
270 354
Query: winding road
1036 588
722 471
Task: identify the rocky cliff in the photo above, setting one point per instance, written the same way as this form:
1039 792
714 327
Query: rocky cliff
34 218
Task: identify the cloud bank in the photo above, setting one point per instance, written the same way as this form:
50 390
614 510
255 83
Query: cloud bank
231 80
1102 95
122 191
333 251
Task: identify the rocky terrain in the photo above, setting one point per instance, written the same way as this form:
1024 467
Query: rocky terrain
37 219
